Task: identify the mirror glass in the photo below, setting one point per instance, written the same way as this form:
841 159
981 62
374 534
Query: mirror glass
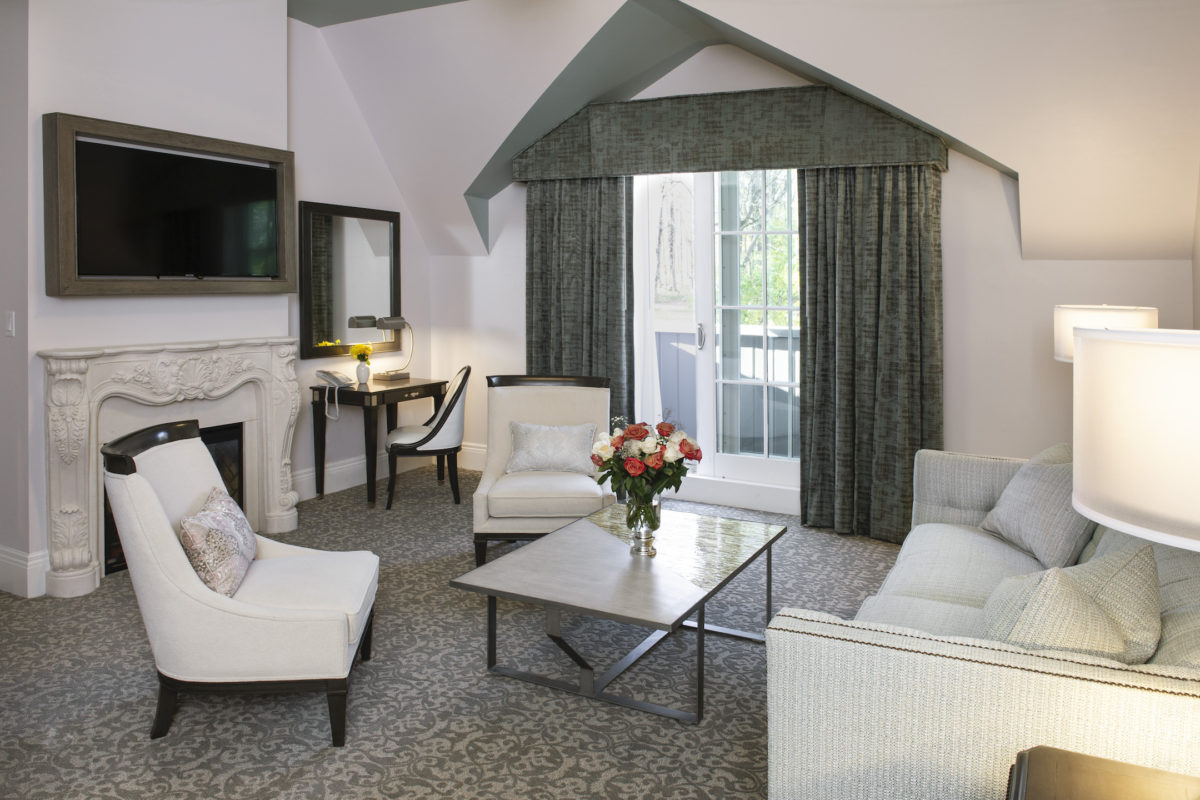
349 266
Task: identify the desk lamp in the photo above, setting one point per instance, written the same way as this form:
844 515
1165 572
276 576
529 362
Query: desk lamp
1068 318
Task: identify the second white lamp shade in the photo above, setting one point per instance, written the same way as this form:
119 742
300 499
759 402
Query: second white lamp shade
1068 318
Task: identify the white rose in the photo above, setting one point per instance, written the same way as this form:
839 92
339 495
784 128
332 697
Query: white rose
648 445
676 436
603 449
672 453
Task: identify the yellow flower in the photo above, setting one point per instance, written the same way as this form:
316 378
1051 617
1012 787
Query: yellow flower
327 343
362 352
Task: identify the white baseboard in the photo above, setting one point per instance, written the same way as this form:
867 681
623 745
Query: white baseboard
755 496
23 574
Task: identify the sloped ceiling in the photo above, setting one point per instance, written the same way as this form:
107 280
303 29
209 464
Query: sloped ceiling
1091 102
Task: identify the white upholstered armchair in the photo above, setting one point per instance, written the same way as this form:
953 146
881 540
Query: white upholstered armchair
293 621
528 503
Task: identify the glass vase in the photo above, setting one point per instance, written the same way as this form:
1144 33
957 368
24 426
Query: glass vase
642 517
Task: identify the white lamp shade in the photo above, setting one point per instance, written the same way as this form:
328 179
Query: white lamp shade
1137 432
1068 318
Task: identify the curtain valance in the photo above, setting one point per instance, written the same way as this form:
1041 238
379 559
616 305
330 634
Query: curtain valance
788 128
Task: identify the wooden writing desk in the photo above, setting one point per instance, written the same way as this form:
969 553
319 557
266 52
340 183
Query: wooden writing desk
370 397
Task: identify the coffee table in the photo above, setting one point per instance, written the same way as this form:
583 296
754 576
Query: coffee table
586 568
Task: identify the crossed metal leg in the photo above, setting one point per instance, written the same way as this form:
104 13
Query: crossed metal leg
590 685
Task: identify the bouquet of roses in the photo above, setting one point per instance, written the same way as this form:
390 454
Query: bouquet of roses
644 463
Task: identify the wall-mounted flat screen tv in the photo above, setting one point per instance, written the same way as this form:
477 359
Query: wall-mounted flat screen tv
134 210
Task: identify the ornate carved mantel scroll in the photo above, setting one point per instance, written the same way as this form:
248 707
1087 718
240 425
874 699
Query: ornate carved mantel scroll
213 374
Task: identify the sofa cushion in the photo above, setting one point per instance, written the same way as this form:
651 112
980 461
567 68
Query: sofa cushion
931 616
552 448
954 564
219 542
1107 607
329 580
1034 511
544 494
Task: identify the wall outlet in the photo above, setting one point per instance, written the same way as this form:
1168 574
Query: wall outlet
10 323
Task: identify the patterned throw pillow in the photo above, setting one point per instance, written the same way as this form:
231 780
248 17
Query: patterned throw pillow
551 448
1034 511
1107 607
219 542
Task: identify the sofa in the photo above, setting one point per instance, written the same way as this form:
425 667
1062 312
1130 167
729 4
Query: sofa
980 644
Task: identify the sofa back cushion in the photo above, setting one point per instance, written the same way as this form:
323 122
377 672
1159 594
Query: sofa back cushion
1107 607
1035 513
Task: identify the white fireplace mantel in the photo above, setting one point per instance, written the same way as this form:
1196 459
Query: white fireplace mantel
96 394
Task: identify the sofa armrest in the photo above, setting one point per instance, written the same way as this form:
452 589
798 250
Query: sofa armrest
874 711
958 488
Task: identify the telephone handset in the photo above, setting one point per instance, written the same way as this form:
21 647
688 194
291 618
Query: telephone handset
334 378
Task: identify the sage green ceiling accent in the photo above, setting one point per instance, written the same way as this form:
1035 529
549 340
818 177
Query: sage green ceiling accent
642 42
805 126
320 13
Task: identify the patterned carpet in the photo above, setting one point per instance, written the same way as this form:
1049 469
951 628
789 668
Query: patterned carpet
425 720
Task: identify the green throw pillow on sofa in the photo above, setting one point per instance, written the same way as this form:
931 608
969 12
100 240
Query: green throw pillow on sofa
1034 511
1107 607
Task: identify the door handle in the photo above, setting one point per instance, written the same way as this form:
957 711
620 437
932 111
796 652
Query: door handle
699 335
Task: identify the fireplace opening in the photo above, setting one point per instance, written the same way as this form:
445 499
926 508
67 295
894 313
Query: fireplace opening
224 442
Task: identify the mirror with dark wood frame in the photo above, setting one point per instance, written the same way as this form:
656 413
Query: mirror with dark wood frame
349 266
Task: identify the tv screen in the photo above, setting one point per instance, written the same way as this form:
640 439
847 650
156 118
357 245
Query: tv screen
146 213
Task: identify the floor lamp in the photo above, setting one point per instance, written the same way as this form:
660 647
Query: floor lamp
1068 318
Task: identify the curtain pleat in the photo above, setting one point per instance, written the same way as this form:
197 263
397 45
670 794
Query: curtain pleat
872 376
579 282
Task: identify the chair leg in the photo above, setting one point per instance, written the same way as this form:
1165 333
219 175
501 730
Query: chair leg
441 465
452 463
336 697
480 552
368 639
391 478
168 698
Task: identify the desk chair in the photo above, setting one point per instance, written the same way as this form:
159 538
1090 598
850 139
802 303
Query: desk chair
524 505
294 622
441 435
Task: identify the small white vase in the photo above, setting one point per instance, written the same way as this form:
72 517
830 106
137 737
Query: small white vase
364 372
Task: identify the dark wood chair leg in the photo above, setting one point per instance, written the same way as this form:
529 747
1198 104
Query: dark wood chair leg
441 465
452 464
368 639
480 552
391 477
336 696
168 698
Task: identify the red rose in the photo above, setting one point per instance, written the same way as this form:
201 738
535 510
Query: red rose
634 466
664 429
687 448
618 442
637 430
697 455
655 459
597 460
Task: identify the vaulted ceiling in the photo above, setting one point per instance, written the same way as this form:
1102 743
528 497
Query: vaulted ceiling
1091 102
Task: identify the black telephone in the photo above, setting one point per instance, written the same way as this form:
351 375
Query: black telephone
334 378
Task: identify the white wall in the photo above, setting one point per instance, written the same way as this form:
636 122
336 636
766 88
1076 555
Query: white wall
1005 394
14 279
338 162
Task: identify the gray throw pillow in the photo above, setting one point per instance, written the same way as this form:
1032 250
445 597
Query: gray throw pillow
551 448
219 542
1108 607
1034 511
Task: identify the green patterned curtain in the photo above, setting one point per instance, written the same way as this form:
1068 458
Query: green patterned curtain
872 387
579 282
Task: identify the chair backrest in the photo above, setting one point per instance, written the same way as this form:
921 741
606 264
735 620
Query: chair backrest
541 400
447 423
154 478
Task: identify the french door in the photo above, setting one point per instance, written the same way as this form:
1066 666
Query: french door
722 355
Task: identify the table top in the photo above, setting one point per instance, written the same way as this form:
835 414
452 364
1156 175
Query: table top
587 567
1048 773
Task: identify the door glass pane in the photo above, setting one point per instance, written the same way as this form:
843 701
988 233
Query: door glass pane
779 200
783 424
750 202
779 269
750 282
741 419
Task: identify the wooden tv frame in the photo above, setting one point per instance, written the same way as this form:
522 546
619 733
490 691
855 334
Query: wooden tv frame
59 132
